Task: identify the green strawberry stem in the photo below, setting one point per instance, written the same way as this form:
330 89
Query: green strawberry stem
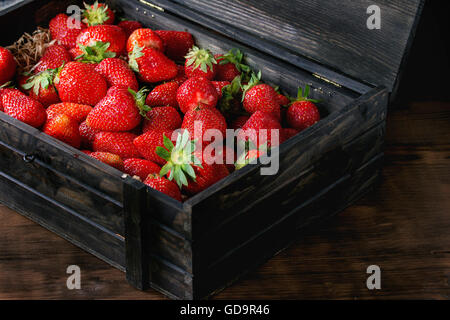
133 56
42 80
95 15
236 57
140 98
201 58
180 159
303 95
95 53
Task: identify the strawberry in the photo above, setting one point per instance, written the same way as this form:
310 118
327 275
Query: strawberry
288 133
163 185
261 121
4 91
182 165
163 95
249 157
181 76
239 122
77 112
8 65
152 65
110 159
261 97
120 143
163 118
145 38
80 83
177 43
64 128
229 65
149 141
219 85
129 26
41 87
117 73
95 39
231 95
208 119
119 110
283 100
141 168
23 108
196 92
65 30
54 57
87 135
200 63
98 13
302 113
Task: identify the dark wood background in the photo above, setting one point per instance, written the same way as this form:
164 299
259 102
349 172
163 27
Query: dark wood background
402 226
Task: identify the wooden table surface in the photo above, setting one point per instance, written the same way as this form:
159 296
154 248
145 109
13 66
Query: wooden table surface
403 226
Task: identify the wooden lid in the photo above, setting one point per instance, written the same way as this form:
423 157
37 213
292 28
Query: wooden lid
330 32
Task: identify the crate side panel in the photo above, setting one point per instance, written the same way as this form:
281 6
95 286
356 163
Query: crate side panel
92 205
62 221
273 240
268 210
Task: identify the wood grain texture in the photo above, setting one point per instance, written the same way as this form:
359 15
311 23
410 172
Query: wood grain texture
333 33
402 226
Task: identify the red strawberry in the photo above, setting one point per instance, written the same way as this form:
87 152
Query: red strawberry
80 83
98 13
110 159
4 91
145 38
225 155
23 108
165 186
141 168
75 53
239 122
54 57
64 128
252 130
302 113
181 76
120 143
163 118
200 63
77 112
117 73
7 65
97 36
149 141
206 176
177 43
152 65
65 30
196 92
87 135
208 119
288 133
283 100
117 111
219 85
230 66
129 26
41 87
163 95
261 97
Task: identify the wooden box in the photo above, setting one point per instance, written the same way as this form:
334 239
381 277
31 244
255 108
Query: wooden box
193 249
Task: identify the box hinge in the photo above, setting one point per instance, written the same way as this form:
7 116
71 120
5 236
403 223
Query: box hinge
152 5
318 76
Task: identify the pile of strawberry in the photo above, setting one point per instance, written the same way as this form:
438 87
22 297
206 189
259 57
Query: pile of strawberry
87 91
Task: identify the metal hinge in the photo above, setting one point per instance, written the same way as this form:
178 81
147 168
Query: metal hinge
152 5
318 76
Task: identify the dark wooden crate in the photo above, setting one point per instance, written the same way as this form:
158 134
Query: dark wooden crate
190 250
